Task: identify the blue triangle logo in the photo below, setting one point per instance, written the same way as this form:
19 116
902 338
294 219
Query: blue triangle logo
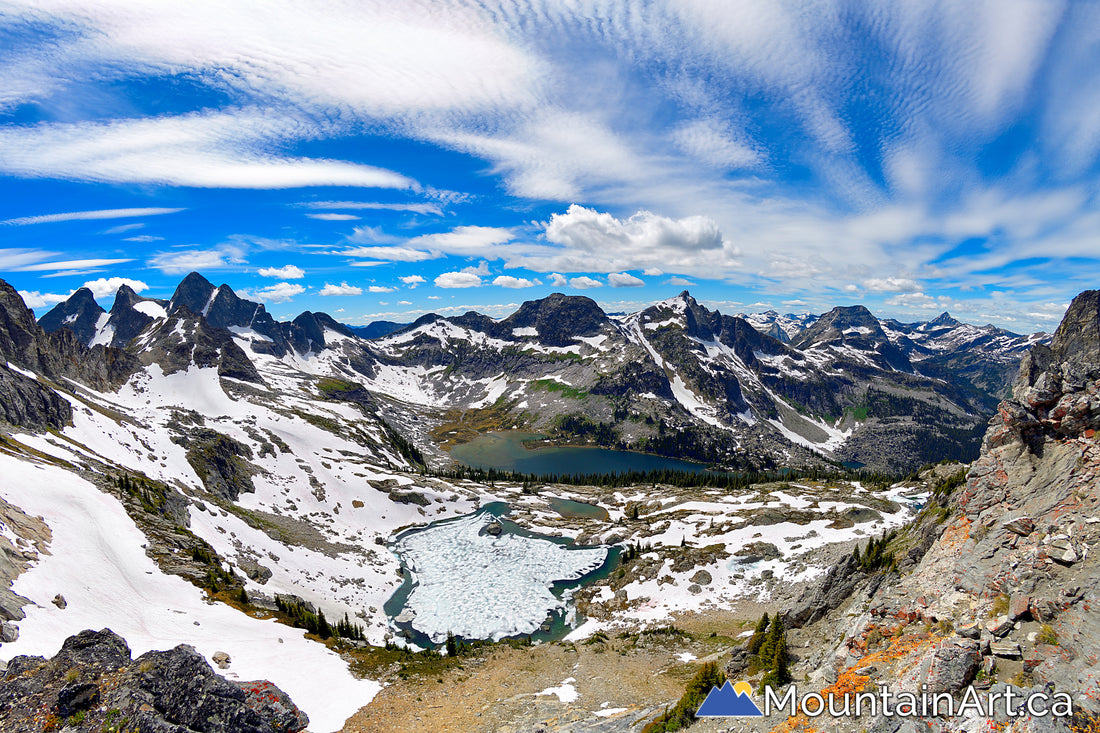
724 702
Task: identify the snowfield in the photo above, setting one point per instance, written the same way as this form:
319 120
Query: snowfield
97 562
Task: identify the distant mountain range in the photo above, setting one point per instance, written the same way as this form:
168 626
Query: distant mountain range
758 390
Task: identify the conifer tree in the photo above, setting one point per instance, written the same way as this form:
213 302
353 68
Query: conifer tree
758 635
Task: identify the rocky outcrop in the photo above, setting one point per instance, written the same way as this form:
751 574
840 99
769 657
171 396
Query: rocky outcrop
185 338
93 684
1007 570
27 403
56 356
558 319
221 462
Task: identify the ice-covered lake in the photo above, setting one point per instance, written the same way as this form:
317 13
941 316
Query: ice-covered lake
475 584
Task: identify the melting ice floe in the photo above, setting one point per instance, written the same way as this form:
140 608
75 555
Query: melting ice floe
479 586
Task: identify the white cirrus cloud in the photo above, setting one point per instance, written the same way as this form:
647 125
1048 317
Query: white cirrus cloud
677 280
507 281
88 215
457 280
70 265
624 280
197 260
286 272
121 228
380 289
389 254
341 289
584 283
143 238
372 206
204 149
334 217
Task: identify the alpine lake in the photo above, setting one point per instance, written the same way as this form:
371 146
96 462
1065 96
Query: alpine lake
519 452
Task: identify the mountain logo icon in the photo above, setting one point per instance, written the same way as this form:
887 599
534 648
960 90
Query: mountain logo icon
729 701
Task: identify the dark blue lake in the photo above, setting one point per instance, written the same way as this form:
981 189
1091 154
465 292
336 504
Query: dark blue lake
506 451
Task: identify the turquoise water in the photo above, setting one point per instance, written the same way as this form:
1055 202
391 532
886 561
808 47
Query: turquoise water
505 451
577 509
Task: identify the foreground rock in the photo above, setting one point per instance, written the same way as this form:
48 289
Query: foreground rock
92 684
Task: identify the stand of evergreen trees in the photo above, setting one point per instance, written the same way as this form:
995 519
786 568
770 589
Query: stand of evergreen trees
682 714
875 556
768 646
670 477
316 623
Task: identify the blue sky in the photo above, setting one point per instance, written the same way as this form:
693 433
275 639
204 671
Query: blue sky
385 159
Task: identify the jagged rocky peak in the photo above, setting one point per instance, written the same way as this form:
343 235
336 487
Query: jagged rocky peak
943 320
80 313
222 308
306 333
131 314
558 319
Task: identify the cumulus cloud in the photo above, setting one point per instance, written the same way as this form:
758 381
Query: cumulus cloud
457 280
584 283
624 280
590 240
380 289
100 287
341 289
507 281
558 280
277 293
35 299
412 280
286 272
892 285
913 300
677 280
104 286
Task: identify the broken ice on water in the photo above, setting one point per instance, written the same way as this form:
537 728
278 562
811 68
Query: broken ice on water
477 585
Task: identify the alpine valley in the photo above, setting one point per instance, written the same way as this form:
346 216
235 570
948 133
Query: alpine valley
280 499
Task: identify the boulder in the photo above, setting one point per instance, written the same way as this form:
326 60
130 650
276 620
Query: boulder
999 626
1019 608
75 697
954 664
1022 526
1005 649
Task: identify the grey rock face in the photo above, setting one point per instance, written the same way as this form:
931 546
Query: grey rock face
160 692
80 314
